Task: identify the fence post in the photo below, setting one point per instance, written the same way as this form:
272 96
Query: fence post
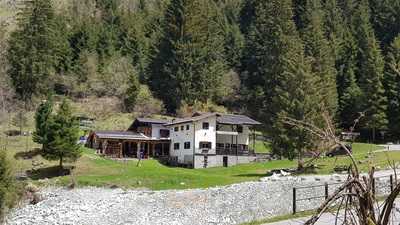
391 183
373 186
294 200
326 190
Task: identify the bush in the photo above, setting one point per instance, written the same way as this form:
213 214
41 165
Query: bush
8 189
146 104
187 110
98 107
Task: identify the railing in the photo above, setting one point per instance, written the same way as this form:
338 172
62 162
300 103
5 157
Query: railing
325 194
234 151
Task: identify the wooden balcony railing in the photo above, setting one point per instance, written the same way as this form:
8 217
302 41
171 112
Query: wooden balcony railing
233 151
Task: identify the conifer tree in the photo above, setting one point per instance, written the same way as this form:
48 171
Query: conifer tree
234 40
322 56
392 88
385 19
278 77
42 116
61 139
370 71
31 52
132 91
189 62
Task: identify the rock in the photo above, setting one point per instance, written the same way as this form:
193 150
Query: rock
31 188
283 173
114 186
36 198
232 204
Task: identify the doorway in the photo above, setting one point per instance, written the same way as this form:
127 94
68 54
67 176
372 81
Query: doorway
225 161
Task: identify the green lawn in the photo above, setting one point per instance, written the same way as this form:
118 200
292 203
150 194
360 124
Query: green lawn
262 147
94 170
97 171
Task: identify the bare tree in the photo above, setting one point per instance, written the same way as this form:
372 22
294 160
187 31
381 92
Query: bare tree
356 197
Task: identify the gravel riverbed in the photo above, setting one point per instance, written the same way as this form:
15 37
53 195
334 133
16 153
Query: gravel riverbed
233 204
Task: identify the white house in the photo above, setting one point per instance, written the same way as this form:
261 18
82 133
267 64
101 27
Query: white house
201 141
211 140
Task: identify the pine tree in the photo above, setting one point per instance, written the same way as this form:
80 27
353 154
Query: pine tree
234 40
345 50
31 52
61 140
279 78
370 71
317 47
8 189
132 92
42 116
385 19
189 61
392 88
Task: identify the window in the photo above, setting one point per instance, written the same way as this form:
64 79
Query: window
164 133
182 127
220 145
206 145
206 126
187 127
240 129
176 129
227 146
176 146
187 145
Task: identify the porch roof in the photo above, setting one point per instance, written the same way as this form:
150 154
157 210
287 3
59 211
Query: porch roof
127 135
236 120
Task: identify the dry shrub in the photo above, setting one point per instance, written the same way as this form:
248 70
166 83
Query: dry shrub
98 107
355 200
9 190
187 110
147 104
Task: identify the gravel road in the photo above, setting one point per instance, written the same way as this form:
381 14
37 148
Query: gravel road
234 204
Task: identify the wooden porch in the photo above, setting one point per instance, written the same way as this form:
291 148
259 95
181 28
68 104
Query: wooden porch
129 148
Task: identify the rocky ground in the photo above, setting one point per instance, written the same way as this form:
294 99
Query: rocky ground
234 204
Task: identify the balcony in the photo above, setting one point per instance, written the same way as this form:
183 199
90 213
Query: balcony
241 151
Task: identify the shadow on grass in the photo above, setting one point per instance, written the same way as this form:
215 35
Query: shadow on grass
251 175
49 172
27 155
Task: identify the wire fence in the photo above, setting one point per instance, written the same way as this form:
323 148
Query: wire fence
316 194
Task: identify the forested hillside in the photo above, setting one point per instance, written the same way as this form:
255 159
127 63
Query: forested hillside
270 59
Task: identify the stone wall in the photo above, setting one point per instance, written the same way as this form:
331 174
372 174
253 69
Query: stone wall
218 160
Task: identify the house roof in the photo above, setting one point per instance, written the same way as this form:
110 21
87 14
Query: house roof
236 120
155 121
197 117
221 118
120 135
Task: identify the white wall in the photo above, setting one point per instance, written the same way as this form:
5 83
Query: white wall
181 137
206 135
194 135
155 130
242 139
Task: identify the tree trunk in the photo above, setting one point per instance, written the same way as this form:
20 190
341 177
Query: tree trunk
61 163
373 135
300 162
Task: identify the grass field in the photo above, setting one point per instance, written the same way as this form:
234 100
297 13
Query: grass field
262 147
97 171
